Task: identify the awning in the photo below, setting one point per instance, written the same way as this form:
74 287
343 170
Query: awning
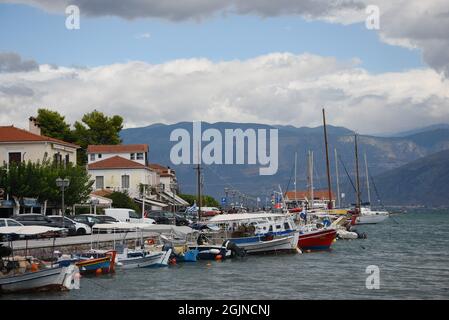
156 228
28 230
242 216
151 201
171 196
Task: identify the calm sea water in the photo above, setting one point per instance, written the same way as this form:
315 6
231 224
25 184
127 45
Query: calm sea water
411 250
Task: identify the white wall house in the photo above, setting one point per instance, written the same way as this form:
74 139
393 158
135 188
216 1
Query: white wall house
120 168
17 145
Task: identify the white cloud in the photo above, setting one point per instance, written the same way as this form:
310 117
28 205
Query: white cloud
422 24
278 88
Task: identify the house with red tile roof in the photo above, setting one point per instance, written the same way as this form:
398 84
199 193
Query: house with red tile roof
18 145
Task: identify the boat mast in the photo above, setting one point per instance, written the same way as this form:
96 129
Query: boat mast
311 178
329 187
358 205
296 198
198 181
367 180
338 179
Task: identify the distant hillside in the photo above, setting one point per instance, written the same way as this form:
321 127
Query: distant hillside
421 182
383 154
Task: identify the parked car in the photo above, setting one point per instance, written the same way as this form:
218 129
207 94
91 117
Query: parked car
182 221
6 222
91 219
35 219
161 217
80 228
68 224
127 215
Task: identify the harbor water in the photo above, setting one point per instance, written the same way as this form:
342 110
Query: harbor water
411 251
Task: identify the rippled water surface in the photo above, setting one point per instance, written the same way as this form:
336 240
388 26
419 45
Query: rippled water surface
411 250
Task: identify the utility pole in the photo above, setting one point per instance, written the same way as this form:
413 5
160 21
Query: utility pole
198 181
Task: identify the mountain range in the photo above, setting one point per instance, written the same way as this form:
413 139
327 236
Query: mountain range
385 156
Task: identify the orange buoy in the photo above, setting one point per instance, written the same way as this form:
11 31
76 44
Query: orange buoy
98 271
34 267
218 257
173 261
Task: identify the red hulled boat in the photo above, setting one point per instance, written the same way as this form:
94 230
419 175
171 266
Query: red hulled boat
317 240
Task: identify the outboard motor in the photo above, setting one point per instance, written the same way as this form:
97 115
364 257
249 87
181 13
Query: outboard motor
236 251
5 251
360 235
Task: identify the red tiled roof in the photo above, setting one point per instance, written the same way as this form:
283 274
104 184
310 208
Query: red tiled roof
116 163
317 194
119 148
12 134
156 166
101 193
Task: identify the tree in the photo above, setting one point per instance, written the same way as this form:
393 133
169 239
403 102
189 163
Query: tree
96 128
122 200
53 125
206 201
38 180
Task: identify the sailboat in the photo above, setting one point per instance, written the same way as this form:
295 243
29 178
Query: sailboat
364 214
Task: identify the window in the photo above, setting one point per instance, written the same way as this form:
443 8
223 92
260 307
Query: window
99 182
15 157
133 156
125 182
92 157
67 159
140 156
100 156
286 226
134 215
12 223
2 223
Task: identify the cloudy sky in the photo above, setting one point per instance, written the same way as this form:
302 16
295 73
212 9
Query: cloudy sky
264 61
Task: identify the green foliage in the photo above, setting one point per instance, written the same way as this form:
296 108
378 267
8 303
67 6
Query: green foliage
96 128
93 129
38 180
207 201
53 125
122 200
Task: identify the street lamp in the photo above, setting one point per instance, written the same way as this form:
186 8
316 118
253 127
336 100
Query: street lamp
62 183
173 189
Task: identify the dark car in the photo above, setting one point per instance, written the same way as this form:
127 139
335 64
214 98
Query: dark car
34 219
161 217
68 224
91 219
182 221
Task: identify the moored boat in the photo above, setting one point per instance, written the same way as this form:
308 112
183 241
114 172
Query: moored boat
316 240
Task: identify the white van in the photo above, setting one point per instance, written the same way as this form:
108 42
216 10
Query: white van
127 215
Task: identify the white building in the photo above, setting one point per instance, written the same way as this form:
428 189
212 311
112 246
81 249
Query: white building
17 145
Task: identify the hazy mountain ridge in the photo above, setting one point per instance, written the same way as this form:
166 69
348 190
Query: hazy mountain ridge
383 153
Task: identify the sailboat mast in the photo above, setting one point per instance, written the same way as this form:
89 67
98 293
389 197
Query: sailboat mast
311 178
338 178
198 181
296 198
367 181
358 208
329 187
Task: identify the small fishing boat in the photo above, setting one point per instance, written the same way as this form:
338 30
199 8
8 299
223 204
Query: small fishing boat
316 240
27 274
259 232
142 258
55 278
94 261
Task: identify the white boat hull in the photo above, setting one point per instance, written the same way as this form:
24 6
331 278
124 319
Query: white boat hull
51 279
370 219
153 259
279 244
